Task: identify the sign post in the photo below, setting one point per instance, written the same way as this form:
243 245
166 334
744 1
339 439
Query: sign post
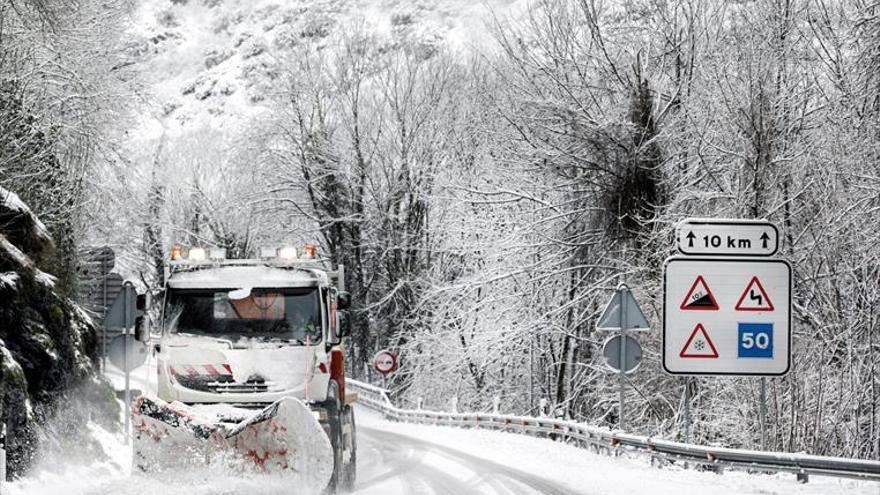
125 352
622 314
727 304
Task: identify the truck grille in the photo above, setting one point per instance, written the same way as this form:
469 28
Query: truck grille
248 387
226 385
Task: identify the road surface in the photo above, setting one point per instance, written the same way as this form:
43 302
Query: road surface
391 462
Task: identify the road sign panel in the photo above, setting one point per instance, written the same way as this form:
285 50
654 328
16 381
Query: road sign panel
385 362
720 342
727 237
126 353
623 308
632 353
123 310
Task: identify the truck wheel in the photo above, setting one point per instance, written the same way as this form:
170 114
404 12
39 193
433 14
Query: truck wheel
334 422
349 474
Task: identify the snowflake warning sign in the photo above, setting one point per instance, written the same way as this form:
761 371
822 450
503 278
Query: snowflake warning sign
699 345
699 297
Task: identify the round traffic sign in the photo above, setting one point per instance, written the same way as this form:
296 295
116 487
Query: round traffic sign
385 362
126 352
632 354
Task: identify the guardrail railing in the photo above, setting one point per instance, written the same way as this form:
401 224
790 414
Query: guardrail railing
612 442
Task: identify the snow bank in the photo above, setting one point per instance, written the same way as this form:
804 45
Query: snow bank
113 477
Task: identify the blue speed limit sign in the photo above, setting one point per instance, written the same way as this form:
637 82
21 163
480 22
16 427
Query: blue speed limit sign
755 340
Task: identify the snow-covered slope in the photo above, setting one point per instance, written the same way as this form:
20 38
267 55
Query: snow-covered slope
217 62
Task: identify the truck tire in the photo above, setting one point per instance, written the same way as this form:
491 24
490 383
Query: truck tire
333 406
349 474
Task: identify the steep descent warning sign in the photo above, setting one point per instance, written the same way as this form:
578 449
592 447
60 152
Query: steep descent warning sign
699 345
699 297
754 298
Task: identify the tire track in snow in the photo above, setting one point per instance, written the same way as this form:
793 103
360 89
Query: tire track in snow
401 462
407 457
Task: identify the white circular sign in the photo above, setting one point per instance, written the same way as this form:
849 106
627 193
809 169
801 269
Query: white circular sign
385 361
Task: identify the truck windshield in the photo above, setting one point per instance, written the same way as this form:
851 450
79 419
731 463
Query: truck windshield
285 315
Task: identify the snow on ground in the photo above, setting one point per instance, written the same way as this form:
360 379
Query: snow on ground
113 476
402 458
466 455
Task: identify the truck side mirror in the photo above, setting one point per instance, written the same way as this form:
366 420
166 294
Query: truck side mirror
344 328
343 300
142 319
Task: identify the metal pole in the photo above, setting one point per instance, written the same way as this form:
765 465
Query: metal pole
621 376
2 457
531 371
126 292
763 400
687 411
104 315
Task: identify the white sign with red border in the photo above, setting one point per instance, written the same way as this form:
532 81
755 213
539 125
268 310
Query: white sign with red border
726 316
385 362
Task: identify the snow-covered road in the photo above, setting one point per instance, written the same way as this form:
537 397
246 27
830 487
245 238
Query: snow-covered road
406 458
392 462
400 458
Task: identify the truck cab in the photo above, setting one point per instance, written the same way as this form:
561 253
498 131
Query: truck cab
247 333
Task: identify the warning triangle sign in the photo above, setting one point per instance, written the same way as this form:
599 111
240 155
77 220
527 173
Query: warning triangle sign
754 298
699 345
699 298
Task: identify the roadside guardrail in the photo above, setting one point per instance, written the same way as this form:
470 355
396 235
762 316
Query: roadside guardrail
602 440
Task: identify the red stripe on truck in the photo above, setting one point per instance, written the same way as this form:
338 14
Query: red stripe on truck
337 371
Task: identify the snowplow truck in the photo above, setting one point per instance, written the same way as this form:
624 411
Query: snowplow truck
251 368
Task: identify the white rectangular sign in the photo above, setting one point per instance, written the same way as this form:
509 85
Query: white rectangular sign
726 316
727 237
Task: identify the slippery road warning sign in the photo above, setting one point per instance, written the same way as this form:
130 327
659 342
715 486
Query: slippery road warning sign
699 345
726 316
699 297
754 298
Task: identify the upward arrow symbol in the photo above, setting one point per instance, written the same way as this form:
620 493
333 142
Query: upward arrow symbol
765 238
691 238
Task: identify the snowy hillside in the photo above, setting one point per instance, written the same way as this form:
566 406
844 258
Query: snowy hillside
216 62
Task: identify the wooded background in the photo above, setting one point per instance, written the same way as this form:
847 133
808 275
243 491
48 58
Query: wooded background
486 199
